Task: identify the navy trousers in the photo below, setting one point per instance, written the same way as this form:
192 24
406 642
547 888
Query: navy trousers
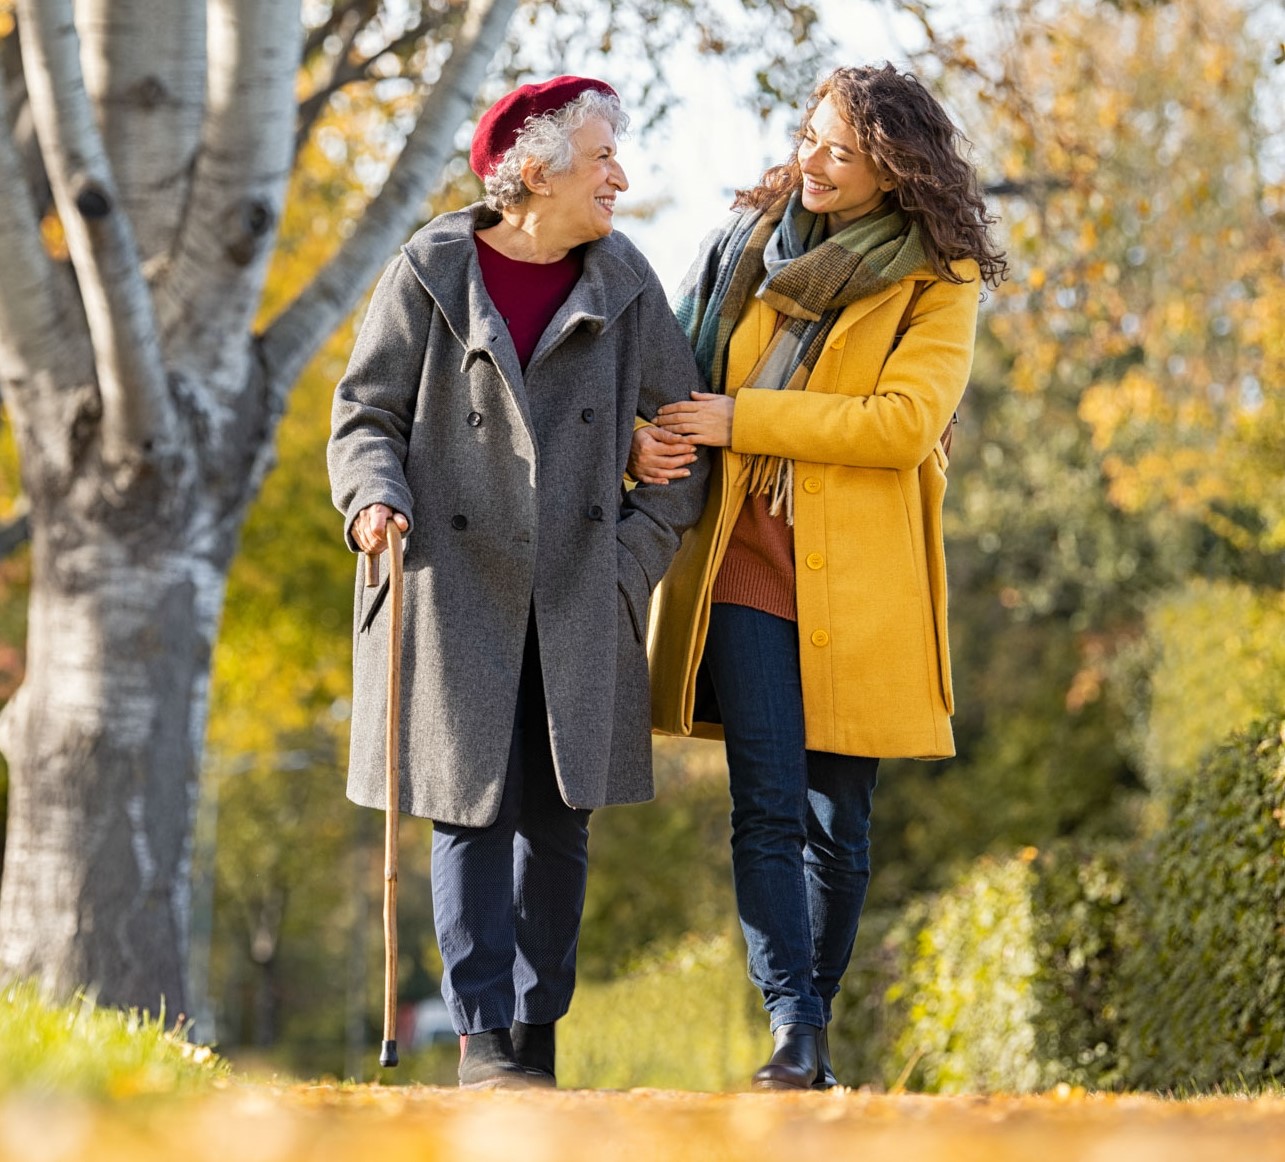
800 819
507 898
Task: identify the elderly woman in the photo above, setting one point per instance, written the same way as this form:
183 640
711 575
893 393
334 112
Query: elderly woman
834 314
487 410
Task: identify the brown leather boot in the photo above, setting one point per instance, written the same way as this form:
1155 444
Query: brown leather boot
794 1063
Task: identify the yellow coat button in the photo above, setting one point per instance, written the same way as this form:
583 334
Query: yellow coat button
814 560
820 637
811 484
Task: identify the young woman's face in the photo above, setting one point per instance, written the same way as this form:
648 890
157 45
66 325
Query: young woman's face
839 180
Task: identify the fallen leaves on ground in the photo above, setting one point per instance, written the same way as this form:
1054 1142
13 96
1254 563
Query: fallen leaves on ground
330 1123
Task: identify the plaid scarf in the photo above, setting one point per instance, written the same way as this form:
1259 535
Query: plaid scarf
782 255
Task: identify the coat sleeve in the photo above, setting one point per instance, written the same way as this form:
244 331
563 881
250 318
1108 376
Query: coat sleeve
374 403
919 387
653 517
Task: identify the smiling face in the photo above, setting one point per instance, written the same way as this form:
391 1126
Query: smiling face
582 200
840 180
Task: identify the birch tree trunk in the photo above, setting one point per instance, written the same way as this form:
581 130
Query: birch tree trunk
145 410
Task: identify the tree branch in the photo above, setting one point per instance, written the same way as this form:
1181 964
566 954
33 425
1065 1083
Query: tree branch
136 410
342 72
144 68
346 71
19 120
340 10
33 330
291 340
212 289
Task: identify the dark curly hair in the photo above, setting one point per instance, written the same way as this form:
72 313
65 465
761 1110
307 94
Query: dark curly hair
904 130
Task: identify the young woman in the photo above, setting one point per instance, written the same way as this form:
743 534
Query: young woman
487 410
834 319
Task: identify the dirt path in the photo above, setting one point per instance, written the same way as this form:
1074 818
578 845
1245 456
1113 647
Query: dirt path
418 1124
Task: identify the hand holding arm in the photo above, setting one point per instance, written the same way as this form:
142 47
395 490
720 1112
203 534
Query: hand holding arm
657 456
704 419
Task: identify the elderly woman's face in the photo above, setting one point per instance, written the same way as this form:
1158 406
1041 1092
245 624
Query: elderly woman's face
583 199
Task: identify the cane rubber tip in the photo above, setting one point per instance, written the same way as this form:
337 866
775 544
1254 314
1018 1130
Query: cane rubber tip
388 1054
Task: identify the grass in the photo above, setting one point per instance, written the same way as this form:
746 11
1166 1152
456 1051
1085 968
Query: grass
82 1050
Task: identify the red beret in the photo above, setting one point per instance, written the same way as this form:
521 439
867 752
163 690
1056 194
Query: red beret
501 124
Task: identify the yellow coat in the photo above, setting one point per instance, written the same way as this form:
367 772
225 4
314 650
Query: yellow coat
869 481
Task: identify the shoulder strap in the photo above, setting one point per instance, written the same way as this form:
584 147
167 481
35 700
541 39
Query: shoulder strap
915 291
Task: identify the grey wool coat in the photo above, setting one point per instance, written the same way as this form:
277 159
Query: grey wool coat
512 482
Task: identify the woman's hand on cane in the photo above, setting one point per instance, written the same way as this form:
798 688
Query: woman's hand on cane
368 528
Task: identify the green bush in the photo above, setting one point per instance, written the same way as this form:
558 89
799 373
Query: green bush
1002 983
83 1050
1216 665
1205 1000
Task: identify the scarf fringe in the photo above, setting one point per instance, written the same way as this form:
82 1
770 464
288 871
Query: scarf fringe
773 477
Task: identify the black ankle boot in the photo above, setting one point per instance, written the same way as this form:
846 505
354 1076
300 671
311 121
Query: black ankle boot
825 1071
794 1061
487 1062
534 1049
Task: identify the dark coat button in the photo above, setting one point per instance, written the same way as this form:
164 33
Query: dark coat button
594 512
459 522
587 415
474 419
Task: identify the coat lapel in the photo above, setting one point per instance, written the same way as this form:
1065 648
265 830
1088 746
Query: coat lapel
606 287
443 256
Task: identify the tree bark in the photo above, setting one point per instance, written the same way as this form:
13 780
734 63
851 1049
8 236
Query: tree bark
103 740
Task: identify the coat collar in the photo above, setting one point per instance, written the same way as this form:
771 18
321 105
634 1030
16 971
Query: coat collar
443 256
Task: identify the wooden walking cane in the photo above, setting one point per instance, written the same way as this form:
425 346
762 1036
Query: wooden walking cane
392 807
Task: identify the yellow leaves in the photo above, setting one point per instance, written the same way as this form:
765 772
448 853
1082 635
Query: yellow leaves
326 1122
51 233
1107 407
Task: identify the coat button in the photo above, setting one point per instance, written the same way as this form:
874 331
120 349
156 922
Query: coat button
820 637
814 560
811 484
474 419
587 415
459 522
594 512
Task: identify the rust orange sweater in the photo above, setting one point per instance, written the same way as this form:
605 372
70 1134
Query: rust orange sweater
758 568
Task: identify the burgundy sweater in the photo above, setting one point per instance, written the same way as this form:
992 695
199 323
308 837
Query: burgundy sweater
527 294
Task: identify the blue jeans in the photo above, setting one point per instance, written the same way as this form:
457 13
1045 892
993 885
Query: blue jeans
507 898
800 819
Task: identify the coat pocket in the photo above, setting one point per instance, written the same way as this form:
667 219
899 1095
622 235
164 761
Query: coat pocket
932 491
630 612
